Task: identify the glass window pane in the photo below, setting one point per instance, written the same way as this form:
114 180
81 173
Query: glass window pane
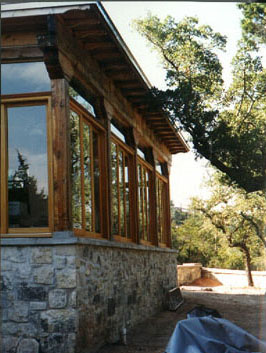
96 176
75 95
127 210
121 193
145 205
148 182
27 167
140 153
76 172
117 133
114 189
159 223
24 78
87 177
140 182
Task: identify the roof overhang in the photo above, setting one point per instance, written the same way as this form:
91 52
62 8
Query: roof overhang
105 44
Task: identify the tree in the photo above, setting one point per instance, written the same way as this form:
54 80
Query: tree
226 127
238 216
194 242
197 240
254 22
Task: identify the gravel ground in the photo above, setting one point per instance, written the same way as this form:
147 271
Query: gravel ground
246 307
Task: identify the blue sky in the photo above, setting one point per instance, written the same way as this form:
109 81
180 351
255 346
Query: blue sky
186 174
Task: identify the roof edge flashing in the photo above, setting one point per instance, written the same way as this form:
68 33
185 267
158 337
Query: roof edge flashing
42 8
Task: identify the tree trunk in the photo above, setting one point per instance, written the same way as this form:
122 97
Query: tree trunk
248 266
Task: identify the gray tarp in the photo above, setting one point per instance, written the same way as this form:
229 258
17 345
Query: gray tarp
210 334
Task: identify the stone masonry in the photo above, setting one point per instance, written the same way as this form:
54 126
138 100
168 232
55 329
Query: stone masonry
72 298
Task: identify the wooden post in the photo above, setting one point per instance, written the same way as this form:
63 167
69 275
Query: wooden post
61 157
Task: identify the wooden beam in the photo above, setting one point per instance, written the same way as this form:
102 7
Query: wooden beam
117 63
101 45
107 55
61 155
82 23
119 73
127 83
134 92
23 53
90 32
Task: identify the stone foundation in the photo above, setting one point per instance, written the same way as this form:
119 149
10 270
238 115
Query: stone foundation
73 295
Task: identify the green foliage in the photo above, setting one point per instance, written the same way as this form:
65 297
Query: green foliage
225 231
238 216
197 241
254 22
226 127
194 243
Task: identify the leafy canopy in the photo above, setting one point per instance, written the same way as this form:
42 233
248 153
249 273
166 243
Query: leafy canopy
227 127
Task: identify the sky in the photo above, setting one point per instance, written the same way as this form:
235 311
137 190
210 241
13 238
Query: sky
187 175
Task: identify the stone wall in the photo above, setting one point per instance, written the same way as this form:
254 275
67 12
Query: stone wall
38 291
70 296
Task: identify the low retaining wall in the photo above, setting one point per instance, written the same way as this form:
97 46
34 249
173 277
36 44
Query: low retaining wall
235 278
72 295
187 273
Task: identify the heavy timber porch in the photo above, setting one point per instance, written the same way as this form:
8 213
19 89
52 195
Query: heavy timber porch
245 308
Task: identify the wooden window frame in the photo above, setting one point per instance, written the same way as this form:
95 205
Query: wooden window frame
129 151
86 118
149 213
162 206
23 100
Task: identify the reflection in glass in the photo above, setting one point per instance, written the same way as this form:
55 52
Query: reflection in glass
114 189
96 176
161 191
140 187
27 167
121 193
118 133
159 167
144 180
127 210
75 95
24 78
87 177
76 173
145 220
148 183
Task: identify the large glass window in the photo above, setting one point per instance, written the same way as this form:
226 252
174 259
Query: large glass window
24 166
25 171
121 156
27 167
86 147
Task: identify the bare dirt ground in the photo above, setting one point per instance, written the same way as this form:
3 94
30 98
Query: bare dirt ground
245 307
